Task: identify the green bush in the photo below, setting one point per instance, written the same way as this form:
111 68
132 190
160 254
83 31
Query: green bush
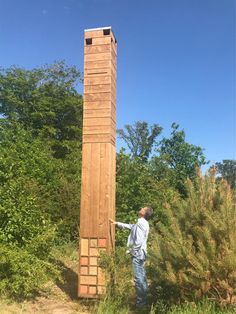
119 289
194 254
22 274
136 187
205 307
26 238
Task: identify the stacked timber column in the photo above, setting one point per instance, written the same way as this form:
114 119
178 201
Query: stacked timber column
98 158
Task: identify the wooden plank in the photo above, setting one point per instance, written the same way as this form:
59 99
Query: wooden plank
113 124
100 113
113 87
103 192
113 133
114 64
98 49
113 74
100 64
97 96
112 205
97 122
97 33
84 247
101 129
102 40
99 40
108 182
88 65
97 72
93 290
93 33
95 175
94 242
97 113
113 38
98 56
98 138
85 188
89 280
113 80
94 80
114 48
113 56
102 209
103 206
113 193
99 104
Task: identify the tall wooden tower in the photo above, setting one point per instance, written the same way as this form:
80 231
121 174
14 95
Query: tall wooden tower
98 157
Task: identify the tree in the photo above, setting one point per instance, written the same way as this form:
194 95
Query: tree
194 253
28 180
40 159
44 100
137 187
227 170
180 156
140 138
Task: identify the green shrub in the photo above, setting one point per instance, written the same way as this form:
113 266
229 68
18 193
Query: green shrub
137 186
194 254
119 290
22 274
26 238
204 307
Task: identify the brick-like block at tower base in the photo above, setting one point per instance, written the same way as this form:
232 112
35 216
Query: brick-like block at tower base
98 158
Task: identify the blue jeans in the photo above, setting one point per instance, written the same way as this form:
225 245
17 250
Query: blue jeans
140 281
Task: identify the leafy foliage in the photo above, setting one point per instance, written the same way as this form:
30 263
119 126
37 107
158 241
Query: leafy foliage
195 253
180 156
227 170
140 138
46 101
137 187
117 267
23 274
40 138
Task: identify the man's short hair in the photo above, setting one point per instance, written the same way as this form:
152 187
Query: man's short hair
148 213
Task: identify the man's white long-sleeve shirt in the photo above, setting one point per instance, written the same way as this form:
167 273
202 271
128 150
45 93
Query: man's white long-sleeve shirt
137 240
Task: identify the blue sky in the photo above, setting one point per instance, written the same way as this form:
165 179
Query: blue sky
176 58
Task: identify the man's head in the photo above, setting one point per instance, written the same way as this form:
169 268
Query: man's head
145 212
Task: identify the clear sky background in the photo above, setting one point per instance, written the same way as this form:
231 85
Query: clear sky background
176 58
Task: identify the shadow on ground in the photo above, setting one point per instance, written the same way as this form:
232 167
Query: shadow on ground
69 281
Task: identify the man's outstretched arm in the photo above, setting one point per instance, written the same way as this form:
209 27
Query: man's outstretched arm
121 224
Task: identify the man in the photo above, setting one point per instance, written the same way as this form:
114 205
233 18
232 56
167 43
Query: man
137 248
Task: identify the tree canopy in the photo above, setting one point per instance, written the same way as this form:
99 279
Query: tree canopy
140 138
227 171
44 100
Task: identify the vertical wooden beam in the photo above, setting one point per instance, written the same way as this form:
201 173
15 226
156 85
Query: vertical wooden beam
98 158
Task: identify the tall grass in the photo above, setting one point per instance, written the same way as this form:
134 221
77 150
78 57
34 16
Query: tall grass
111 306
204 307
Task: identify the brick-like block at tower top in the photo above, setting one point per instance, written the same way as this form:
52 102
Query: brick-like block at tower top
98 158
